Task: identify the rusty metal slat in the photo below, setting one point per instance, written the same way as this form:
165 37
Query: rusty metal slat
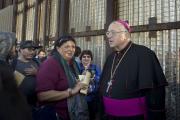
36 23
58 19
1 4
156 27
139 28
14 16
110 12
23 35
64 15
168 26
44 23
89 33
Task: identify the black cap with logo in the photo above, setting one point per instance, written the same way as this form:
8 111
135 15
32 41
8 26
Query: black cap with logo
29 44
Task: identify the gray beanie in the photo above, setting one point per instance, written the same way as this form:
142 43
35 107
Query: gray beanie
7 41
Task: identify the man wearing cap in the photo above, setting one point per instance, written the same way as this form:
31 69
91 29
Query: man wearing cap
25 70
132 85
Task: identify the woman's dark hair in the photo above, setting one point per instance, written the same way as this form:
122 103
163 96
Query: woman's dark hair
62 40
41 50
86 52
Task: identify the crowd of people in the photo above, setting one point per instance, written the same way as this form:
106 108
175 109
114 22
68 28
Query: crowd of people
37 86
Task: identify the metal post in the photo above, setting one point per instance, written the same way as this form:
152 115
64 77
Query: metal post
36 22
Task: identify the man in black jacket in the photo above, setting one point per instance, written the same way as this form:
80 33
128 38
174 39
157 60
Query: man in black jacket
132 84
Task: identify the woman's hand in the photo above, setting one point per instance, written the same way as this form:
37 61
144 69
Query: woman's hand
78 87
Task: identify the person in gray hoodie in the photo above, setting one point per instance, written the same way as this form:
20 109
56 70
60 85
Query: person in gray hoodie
13 105
7 45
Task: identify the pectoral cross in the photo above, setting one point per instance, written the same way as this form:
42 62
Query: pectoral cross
109 85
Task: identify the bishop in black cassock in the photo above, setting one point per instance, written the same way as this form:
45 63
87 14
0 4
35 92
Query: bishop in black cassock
132 84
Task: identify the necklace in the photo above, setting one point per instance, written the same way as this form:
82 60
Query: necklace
113 72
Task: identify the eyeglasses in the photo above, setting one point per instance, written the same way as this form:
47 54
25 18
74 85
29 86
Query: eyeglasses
113 33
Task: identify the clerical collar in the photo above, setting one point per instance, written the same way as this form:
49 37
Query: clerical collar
123 50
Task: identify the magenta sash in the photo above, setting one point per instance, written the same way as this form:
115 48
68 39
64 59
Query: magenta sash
125 107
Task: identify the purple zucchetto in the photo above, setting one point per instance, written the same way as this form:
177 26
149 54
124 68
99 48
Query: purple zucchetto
125 24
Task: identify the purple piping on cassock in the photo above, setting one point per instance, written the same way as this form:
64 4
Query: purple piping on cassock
126 107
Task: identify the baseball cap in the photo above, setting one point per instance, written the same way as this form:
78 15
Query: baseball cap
29 44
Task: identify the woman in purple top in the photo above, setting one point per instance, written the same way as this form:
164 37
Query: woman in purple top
57 82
